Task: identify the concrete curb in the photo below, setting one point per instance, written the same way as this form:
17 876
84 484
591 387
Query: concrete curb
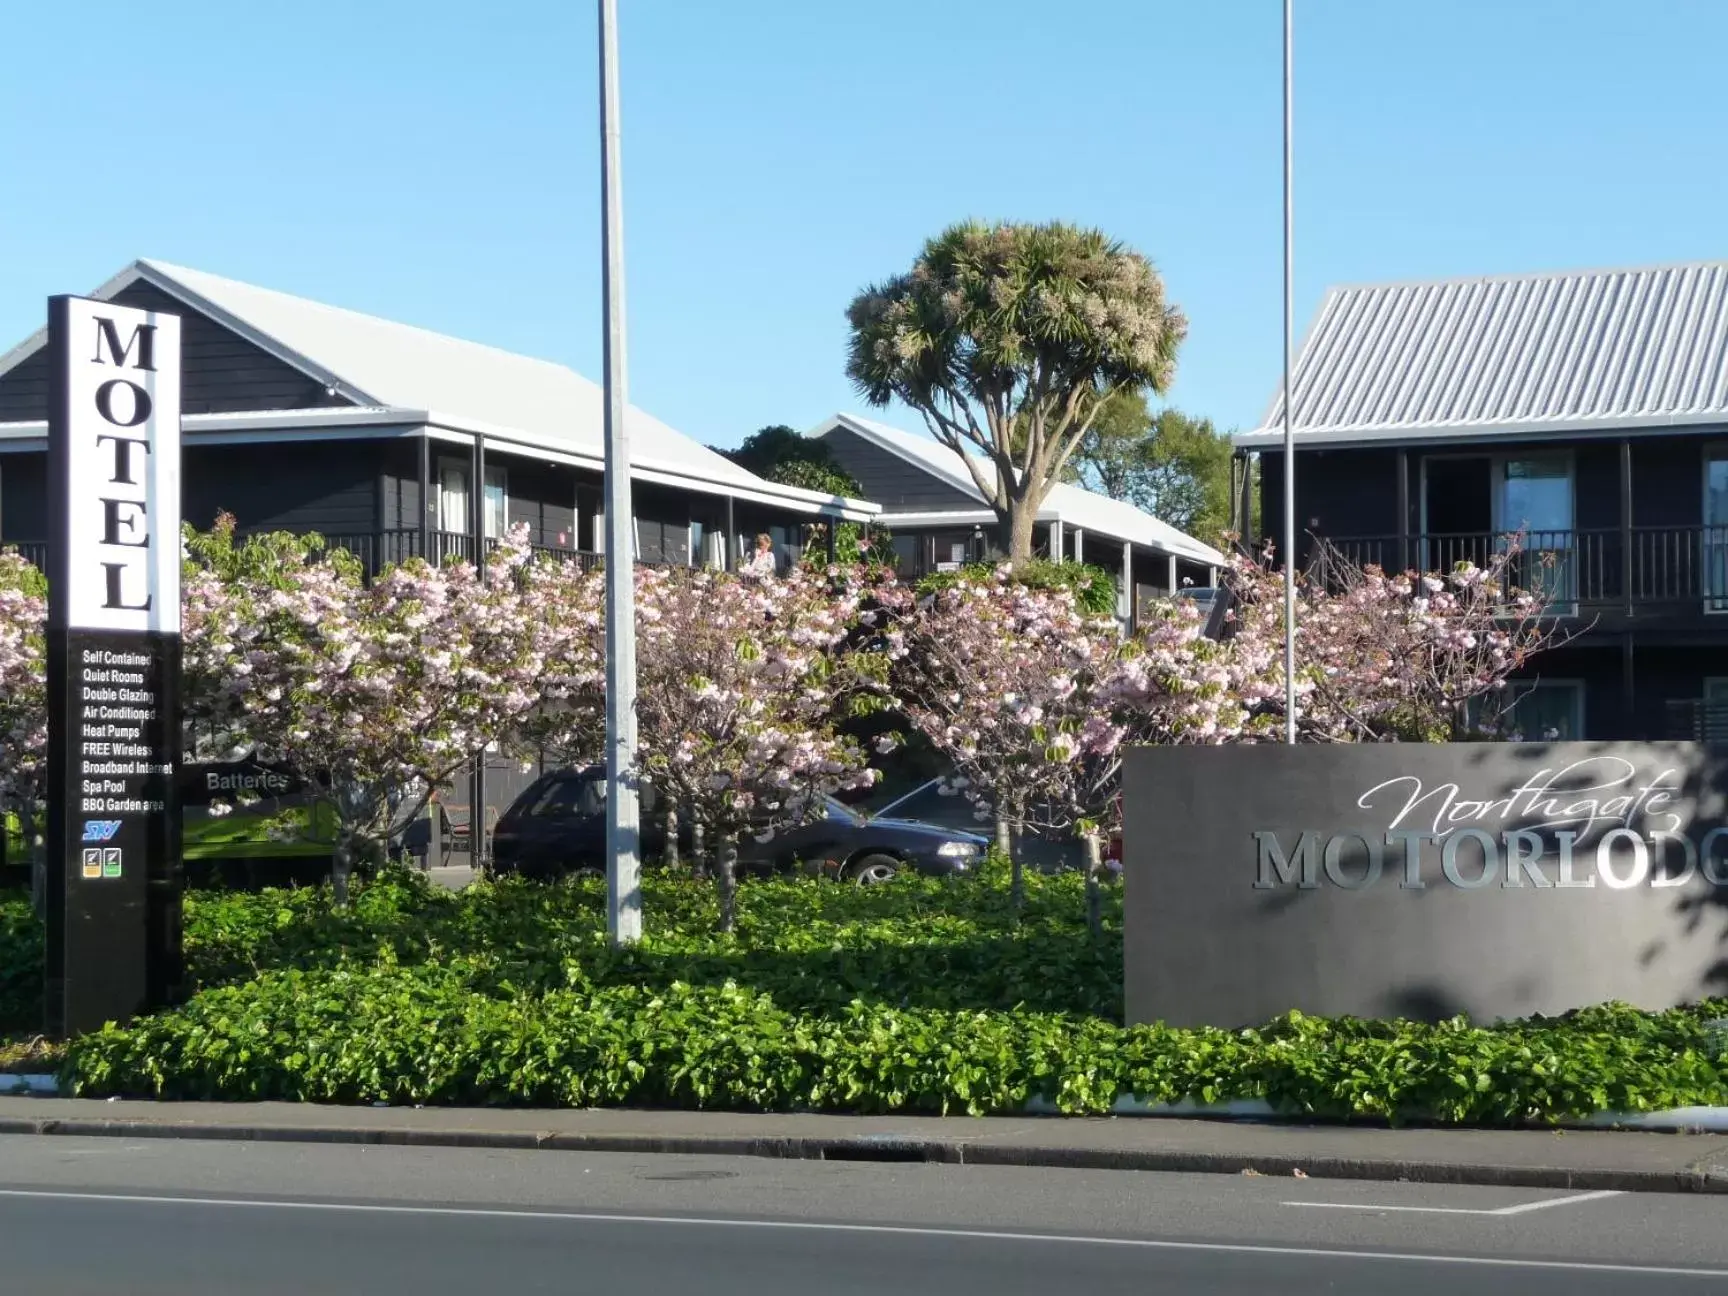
1697 1178
1679 1120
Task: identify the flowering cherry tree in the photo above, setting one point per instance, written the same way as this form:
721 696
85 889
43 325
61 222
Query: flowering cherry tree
23 695
741 680
1001 678
1386 656
374 693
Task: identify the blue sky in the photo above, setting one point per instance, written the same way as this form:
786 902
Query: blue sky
437 162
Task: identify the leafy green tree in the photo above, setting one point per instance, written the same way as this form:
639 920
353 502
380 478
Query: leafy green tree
780 454
1171 464
1009 340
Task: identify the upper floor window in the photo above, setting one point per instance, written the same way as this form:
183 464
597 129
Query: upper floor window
497 517
1534 495
453 503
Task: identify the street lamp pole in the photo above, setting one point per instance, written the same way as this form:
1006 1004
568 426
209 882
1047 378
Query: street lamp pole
623 824
1289 438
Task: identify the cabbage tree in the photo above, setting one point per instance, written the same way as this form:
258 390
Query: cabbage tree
1009 340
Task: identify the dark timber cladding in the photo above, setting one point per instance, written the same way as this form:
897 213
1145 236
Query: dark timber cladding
224 373
889 480
325 486
23 497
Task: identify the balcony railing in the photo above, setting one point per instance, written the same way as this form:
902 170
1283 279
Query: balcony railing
1584 569
1698 720
377 550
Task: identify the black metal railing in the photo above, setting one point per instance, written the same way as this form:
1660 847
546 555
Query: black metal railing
1638 566
377 550
33 552
1698 720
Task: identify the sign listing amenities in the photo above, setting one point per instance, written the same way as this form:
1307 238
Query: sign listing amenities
114 663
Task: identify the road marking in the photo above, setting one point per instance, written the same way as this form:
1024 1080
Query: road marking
891 1230
1523 1209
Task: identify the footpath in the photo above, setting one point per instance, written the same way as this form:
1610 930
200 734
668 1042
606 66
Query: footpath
1626 1161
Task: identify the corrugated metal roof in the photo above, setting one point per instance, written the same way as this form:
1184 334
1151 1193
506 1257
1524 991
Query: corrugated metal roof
1512 355
1073 505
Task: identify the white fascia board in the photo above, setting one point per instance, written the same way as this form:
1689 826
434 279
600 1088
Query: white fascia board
346 423
955 517
984 517
843 509
309 419
972 517
290 436
671 474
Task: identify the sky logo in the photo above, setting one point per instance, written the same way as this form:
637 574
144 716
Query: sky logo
101 830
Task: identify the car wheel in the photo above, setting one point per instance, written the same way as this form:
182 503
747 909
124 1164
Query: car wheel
872 870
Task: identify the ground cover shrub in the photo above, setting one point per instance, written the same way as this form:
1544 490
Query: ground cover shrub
20 964
916 996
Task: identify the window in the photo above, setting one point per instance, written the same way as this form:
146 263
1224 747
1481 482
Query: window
452 488
1547 711
569 796
497 501
1716 530
588 794
452 496
1533 495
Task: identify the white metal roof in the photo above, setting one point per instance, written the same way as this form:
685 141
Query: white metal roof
380 363
1511 355
1071 505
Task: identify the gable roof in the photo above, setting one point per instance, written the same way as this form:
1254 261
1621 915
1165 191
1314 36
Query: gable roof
1069 504
1511 355
379 363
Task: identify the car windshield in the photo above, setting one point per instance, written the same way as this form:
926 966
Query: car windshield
563 797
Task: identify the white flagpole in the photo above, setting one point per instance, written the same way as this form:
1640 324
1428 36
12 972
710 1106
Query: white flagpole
623 824
1289 439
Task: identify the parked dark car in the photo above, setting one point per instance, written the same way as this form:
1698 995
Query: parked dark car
558 827
927 803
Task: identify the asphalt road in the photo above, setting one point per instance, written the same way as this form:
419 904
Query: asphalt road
91 1216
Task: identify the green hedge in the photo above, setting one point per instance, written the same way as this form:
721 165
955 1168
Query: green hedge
20 965
419 1035
1094 589
918 996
